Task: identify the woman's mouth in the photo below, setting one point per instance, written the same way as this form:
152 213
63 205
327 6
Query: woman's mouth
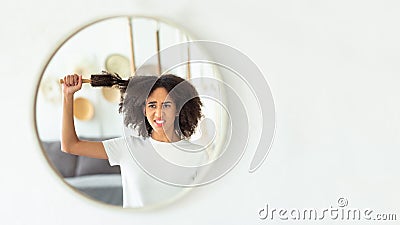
159 123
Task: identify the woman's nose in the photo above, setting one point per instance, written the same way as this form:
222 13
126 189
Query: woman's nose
158 112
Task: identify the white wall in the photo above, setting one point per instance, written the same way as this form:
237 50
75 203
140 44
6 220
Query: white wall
332 67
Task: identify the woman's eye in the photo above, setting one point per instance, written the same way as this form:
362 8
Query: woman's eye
166 105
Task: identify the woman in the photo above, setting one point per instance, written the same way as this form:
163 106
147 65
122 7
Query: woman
164 111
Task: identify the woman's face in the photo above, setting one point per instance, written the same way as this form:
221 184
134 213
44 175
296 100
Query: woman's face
160 112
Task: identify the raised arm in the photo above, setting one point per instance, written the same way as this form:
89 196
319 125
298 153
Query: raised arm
70 142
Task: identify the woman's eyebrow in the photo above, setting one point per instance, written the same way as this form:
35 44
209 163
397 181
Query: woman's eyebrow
155 102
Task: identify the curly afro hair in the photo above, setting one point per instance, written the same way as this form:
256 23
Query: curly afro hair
184 95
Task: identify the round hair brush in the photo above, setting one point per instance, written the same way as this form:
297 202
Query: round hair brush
105 79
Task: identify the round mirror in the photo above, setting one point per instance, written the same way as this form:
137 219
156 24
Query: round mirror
120 45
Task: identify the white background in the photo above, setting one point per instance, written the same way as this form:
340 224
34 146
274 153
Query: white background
333 70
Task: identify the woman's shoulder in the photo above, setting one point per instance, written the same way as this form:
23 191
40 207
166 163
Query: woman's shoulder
126 139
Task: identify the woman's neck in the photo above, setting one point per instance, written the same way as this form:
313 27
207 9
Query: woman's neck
164 137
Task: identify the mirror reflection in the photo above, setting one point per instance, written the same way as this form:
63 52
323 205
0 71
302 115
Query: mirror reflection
84 122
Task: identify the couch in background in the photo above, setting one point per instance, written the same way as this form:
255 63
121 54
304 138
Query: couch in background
93 177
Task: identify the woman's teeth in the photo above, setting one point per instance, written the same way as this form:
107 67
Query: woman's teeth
159 121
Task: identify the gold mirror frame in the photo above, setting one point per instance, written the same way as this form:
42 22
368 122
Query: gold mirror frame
148 68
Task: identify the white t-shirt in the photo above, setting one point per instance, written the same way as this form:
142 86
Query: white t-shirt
139 188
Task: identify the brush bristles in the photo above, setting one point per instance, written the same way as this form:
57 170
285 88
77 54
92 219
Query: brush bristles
107 80
102 81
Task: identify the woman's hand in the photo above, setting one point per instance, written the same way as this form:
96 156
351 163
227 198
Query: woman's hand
72 84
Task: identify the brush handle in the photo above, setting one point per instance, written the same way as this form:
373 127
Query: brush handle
83 81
